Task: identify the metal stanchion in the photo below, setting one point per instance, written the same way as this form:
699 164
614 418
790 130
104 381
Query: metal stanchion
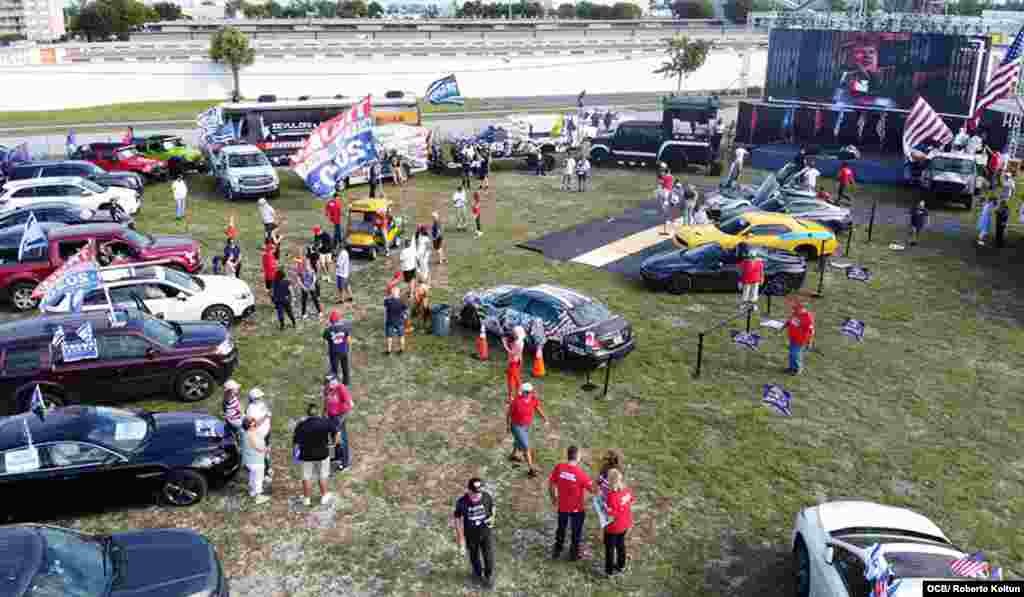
700 353
849 242
750 315
871 222
822 263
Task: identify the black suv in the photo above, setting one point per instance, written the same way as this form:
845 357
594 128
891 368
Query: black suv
88 170
131 357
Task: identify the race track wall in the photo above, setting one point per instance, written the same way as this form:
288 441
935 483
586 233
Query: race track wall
58 86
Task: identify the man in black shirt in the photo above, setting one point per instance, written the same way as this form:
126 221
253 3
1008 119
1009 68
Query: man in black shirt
310 442
474 518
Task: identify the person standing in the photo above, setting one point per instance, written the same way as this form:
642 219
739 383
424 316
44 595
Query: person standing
751 275
311 446
485 169
1002 220
514 344
437 235
844 180
985 221
995 163
473 520
566 485
583 173
268 216
342 271
918 220
664 195
333 211
737 166
568 173
407 260
309 286
619 507
269 265
232 258
459 203
337 406
180 191
476 213
690 197
281 293
380 228
520 418
259 413
539 157
467 168
373 173
423 251
811 175
322 243
395 312
254 451
801 333
338 336
232 408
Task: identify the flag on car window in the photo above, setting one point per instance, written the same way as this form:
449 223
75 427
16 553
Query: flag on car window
972 566
82 347
84 259
38 405
58 336
32 237
444 91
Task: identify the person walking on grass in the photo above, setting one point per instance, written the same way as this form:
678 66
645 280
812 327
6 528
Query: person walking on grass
309 286
800 327
473 520
689 198
736 170
1002 220
520 417
268 216
269 261
338 336
254 451
476 213
459 203
407 261
258 411
342 271
281 294
985 221
619 508
539 157
844 181
232 408
437 235
374 178
751 275
514 344
180 191
423 250
311 446
581 175
232 258
333 210
322 245
485 169
395 312
337 406
566 485
380 230
918 221
568 173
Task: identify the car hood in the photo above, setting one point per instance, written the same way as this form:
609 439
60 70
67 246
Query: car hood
252 171
225 287
695 236
143 161
201 333
121 176
165 563
123 192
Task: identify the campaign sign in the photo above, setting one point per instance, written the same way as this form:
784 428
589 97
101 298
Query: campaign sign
746 340
21 461
337 148
853 328
80 346
860 274
777 398
444 91
601 511
209 428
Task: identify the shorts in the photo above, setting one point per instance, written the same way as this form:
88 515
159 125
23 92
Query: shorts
409 275
309 468
438 243
335 422
394 329
342 283
521 437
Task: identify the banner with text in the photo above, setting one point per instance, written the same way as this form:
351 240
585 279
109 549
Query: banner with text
336 148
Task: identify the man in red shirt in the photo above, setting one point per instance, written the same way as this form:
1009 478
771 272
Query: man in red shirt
333 211
751 275
520 417
801 333
843 180
269 265
567 483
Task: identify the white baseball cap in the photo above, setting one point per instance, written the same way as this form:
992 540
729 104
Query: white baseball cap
527 388
256 394
232 385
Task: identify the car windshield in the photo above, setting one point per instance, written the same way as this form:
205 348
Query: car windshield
127 153
734 226
91 167
947 164
137 238
172 143
589 313
163 332
910 564
92 186
119 429
73 566
182 280
247 160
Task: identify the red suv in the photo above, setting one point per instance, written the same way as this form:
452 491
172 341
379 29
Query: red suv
116 243
118 157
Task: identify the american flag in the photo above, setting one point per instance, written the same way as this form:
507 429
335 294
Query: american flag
84 332
924 124
58 336
1003 81
972 566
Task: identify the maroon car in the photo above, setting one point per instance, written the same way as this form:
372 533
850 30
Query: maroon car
131 357
116 243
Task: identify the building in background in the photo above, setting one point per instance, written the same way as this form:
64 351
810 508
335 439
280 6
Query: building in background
36 20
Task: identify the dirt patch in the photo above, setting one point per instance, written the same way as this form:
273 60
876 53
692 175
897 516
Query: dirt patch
747 570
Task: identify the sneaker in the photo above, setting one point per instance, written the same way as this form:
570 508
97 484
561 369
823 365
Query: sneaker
326 498
261 499
479 234
307 502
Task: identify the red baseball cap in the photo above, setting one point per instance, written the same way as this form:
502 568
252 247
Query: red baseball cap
316 230
335 316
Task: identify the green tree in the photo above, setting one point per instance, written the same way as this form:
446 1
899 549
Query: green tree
374 10
584 10
231 46
352 9
168 11
432 11
970 8
566 11
255 11
684 57
737 10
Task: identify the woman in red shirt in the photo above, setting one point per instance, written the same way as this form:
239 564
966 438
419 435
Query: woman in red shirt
619 508
476 212
269 264
751 275
664 194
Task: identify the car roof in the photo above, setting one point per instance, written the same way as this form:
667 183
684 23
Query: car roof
566 297
124 276
765 217
36 206
42 181
953 155
65 231
851 514
657 123
106 145
157 136
54 163
67 423
43 326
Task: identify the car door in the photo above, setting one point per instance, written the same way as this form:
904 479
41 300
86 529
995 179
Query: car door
724 269
80 469
24 472
629 142
135 361
157 300
766 235
182 305
104 158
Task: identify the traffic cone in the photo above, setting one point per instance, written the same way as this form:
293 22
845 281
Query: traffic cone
538 363
481 344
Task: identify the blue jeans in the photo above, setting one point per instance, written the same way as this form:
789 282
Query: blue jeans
341 453
337 237
795 352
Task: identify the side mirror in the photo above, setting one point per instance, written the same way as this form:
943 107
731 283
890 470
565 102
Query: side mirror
829 554
151 353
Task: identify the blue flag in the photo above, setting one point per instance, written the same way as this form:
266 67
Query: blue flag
38 405
71 137
82 347
32 238
445 91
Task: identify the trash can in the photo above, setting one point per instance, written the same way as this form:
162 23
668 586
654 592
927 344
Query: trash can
440 324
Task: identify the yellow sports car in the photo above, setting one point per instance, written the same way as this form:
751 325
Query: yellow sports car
778 231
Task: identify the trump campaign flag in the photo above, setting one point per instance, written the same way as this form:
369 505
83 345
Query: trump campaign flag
336 148
444 91
84 259
32 238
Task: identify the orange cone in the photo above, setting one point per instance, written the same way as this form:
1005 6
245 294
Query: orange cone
538 363
481 344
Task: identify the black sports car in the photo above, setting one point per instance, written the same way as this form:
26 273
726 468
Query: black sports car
86 452
46 561
572 327
710 267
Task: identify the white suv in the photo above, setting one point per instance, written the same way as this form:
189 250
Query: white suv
167 293
67 189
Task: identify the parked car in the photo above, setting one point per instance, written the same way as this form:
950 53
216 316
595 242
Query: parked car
762 229
116 242
47 560
172 150
60 212
80 168
712 267
831 545
243 171
137 356
77 190
726 198
953 176
168 294
833 216
122 157
574 328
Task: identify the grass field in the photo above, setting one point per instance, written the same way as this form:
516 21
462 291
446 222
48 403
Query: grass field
925 413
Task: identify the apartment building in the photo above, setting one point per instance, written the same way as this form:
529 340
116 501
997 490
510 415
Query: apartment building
37 20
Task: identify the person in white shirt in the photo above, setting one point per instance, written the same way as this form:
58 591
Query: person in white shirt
570 171
342 270
737 166
423 251
459 203
259 412
811 175
407 262
180 197
268 216
974 145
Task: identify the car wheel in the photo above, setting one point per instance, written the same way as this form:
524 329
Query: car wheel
808 252
598 156
219 313
194 385
803 569
680 283
470 318
184 487
21 297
